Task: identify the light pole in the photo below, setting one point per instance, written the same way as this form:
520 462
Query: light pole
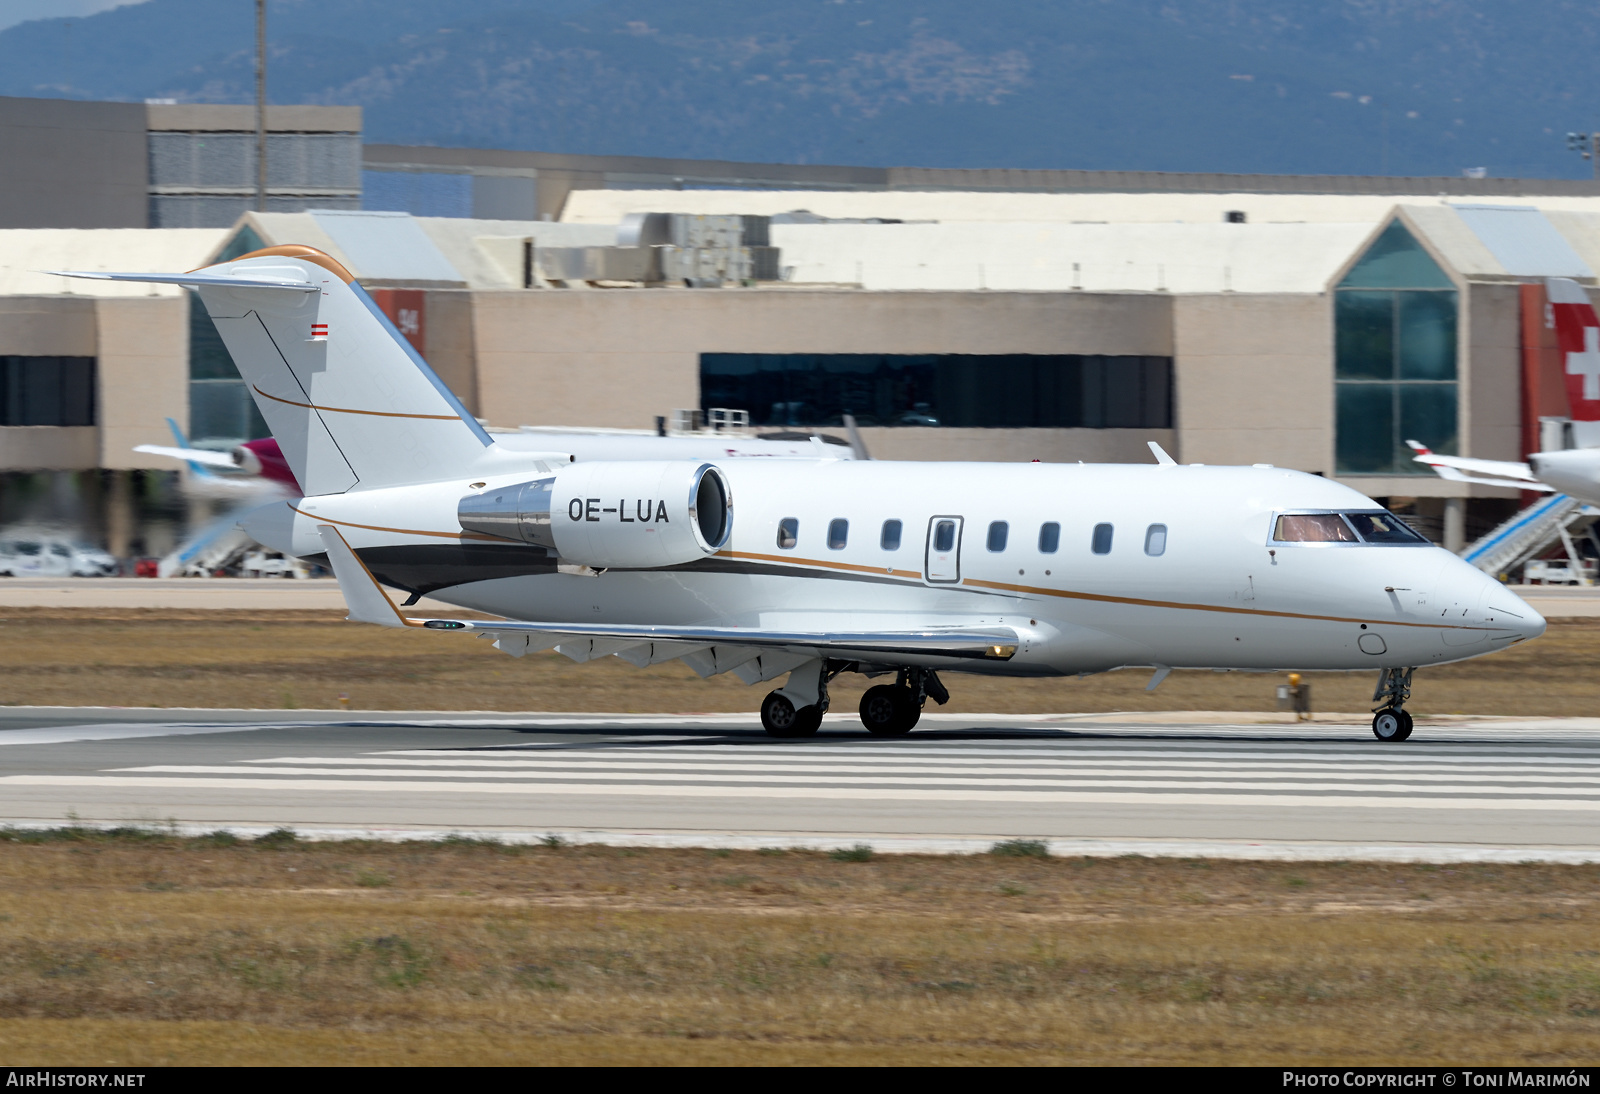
1586 145
261 106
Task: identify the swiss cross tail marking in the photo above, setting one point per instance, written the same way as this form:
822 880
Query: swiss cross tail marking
1587 363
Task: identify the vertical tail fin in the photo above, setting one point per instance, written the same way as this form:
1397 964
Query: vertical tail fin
183 442
348 399
1578 333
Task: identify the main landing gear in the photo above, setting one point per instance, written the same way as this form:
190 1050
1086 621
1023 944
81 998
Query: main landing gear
887 710
1392 722
890 710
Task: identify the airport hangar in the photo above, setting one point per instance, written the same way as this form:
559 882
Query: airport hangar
1005 315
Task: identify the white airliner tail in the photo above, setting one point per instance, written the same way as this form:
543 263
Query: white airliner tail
351 403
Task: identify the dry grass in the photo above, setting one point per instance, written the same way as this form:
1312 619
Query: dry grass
305 659
142 951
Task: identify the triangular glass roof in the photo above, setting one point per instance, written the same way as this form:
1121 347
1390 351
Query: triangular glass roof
1396 261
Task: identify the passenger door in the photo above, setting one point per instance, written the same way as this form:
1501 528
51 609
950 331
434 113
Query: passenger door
942 563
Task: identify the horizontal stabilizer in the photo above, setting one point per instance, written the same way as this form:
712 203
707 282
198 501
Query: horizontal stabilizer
193 280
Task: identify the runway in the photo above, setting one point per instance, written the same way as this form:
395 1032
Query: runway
1097 784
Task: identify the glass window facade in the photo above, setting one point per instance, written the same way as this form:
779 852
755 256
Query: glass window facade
1394 318
958 390
47 391
221 411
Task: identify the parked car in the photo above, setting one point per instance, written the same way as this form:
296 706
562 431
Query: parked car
24 554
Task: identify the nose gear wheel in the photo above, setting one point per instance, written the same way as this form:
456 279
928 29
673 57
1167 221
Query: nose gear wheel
1392 722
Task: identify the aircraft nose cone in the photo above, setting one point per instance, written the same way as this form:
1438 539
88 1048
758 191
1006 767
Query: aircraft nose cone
1504 606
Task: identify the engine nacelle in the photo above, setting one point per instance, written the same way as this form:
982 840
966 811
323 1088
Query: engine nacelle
612 514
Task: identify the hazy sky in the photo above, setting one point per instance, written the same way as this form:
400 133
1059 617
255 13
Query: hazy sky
20 11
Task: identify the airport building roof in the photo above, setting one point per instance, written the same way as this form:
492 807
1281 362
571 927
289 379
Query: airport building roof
1477 241
399 250
947 206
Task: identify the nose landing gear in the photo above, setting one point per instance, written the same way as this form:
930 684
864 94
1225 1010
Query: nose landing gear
1392 722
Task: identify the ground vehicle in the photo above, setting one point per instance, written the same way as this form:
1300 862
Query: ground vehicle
37 553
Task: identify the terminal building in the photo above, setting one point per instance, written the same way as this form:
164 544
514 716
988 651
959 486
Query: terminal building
1001 316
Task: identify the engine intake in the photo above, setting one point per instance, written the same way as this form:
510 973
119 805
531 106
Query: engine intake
612 514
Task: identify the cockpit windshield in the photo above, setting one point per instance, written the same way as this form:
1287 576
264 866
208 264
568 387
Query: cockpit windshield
1377 527
1382 527
1313 528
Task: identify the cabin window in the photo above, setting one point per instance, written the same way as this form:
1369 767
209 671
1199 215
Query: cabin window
890 539
944 536
1313 528
1049 538
838 534
1101 542
1155 540
998 530
788 533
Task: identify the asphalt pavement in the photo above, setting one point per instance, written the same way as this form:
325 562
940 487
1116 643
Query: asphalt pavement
1195 784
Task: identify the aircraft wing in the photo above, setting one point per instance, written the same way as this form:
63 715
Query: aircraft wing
201 456
1517 476
368 603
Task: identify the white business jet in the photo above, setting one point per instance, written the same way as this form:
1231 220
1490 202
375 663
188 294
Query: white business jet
1572 471
810 568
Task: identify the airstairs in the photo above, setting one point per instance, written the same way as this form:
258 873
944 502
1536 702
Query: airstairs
220 547
1533 531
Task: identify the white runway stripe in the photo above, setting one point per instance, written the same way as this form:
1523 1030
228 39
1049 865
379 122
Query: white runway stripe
278 786
567 761
1175 781
880 752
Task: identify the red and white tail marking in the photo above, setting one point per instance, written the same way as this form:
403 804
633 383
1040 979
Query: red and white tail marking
1578 334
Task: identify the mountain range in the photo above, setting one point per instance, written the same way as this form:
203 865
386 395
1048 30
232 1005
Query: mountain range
1414 87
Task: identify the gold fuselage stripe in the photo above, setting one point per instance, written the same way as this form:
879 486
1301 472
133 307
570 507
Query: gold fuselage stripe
348 410
1029 590
399 531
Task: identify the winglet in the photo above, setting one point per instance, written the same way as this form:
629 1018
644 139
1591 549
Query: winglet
858 447
1162 671
1161 455
365 598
